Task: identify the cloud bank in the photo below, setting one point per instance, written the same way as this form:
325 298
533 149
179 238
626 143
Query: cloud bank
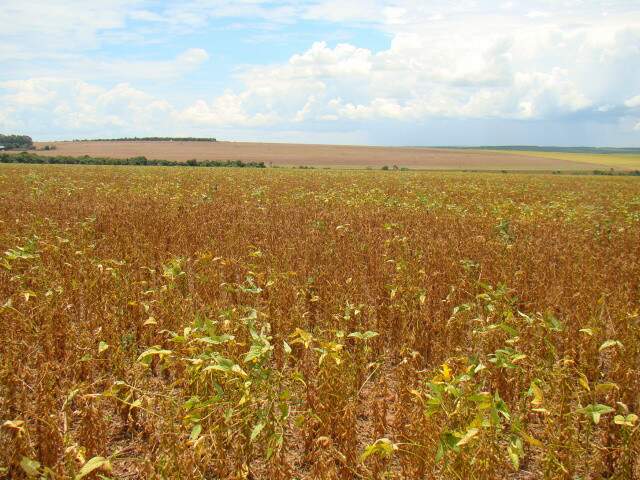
536 65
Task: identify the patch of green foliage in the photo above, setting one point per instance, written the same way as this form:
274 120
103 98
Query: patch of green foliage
12 142
25 157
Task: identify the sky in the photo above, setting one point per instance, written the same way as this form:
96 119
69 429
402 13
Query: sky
377 72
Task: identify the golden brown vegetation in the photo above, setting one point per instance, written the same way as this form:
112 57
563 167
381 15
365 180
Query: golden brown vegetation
186 323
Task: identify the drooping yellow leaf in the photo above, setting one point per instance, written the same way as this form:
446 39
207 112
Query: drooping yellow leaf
529 439
609 344
538 397
30 467
446 372
102 346
93 464
584 381
14 424
606 387
472 432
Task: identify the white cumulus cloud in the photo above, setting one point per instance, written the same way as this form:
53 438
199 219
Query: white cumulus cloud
633 102
535 61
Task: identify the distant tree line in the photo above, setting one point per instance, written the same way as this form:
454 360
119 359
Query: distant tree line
16 142
149 139
26 157
612 172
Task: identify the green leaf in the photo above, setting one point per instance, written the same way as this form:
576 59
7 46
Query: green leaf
256 431
145 357
30 467
195 432
440 452
363 335
227 366
383 447
448 441
508 329
553 323
93 464
256 351
516 452
628 421
216 339
102 346
594 411
606 387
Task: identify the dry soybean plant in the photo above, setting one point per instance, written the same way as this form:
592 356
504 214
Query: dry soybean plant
233 324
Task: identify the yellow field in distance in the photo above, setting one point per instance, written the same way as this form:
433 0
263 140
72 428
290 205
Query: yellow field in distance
621 161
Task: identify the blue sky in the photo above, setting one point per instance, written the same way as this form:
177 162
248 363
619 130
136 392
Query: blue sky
401 72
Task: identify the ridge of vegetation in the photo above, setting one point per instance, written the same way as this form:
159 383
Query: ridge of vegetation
26 157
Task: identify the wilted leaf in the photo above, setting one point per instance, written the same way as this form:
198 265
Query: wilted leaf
610 343
472 432
628 421
30 467
383 447
363 335
102 346
606 387
553 323
94 463
516 452
584 381
195 432
446 372
529 439
538 397
14 424
216 339
147 354
256 431
256 351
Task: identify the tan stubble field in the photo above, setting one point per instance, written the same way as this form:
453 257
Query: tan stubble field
335 156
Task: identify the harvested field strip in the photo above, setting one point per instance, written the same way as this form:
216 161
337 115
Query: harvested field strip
334 156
